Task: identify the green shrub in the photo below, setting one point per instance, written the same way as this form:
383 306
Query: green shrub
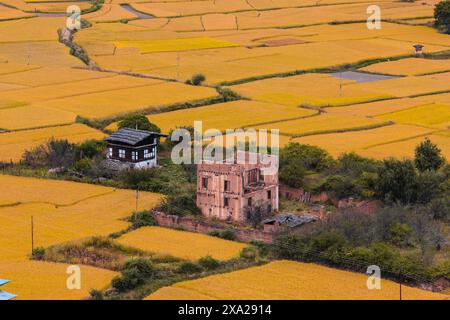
428 156
227 234
138 121
196 79
190 268
38 253
135 272
399 234
95 294
249 253
209 263
142 219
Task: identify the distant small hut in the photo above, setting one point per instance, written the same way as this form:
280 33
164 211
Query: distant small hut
418 49
132 148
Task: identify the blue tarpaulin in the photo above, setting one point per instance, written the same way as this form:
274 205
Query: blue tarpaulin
3 294
3 281
6 295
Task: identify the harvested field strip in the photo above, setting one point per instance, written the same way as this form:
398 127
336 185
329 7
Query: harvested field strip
181 244
289 280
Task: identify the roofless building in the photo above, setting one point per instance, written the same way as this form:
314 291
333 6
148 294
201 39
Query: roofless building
132 148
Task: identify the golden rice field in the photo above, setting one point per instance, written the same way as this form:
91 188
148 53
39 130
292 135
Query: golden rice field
62 211
110 12
324 123
115 102
350 43
405 149
171 45
410 67
28 117
358 141
371 109
51 75
408 86
77 88
181 244
7 13
431 115
289 280
223 116
13 144
313 89
36 280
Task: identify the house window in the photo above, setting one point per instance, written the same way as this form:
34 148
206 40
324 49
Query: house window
121 153
226 202
149 153
226 185
249 202
269 194
110 152
134 155
205 183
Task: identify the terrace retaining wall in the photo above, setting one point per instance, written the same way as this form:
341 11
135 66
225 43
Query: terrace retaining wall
205 227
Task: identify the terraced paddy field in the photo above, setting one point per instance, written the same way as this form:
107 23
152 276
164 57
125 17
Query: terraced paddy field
264 50
13 144
224 115
405 149
181 244
331 45
359 141
289 280
62 211
410 67
319 90
430 115
324 123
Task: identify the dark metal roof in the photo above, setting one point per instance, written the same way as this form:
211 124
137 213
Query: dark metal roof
291 220
131 136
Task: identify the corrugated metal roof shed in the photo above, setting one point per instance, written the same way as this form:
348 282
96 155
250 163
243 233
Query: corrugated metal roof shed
291 220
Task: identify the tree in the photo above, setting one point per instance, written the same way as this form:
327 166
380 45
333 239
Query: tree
54 153
292 174
310 157
397 181
428 156
442 16
138 121
197 79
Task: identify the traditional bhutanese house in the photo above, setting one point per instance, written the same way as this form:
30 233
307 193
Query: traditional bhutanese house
3 294
133 148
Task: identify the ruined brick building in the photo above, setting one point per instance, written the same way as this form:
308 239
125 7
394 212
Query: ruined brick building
235 190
